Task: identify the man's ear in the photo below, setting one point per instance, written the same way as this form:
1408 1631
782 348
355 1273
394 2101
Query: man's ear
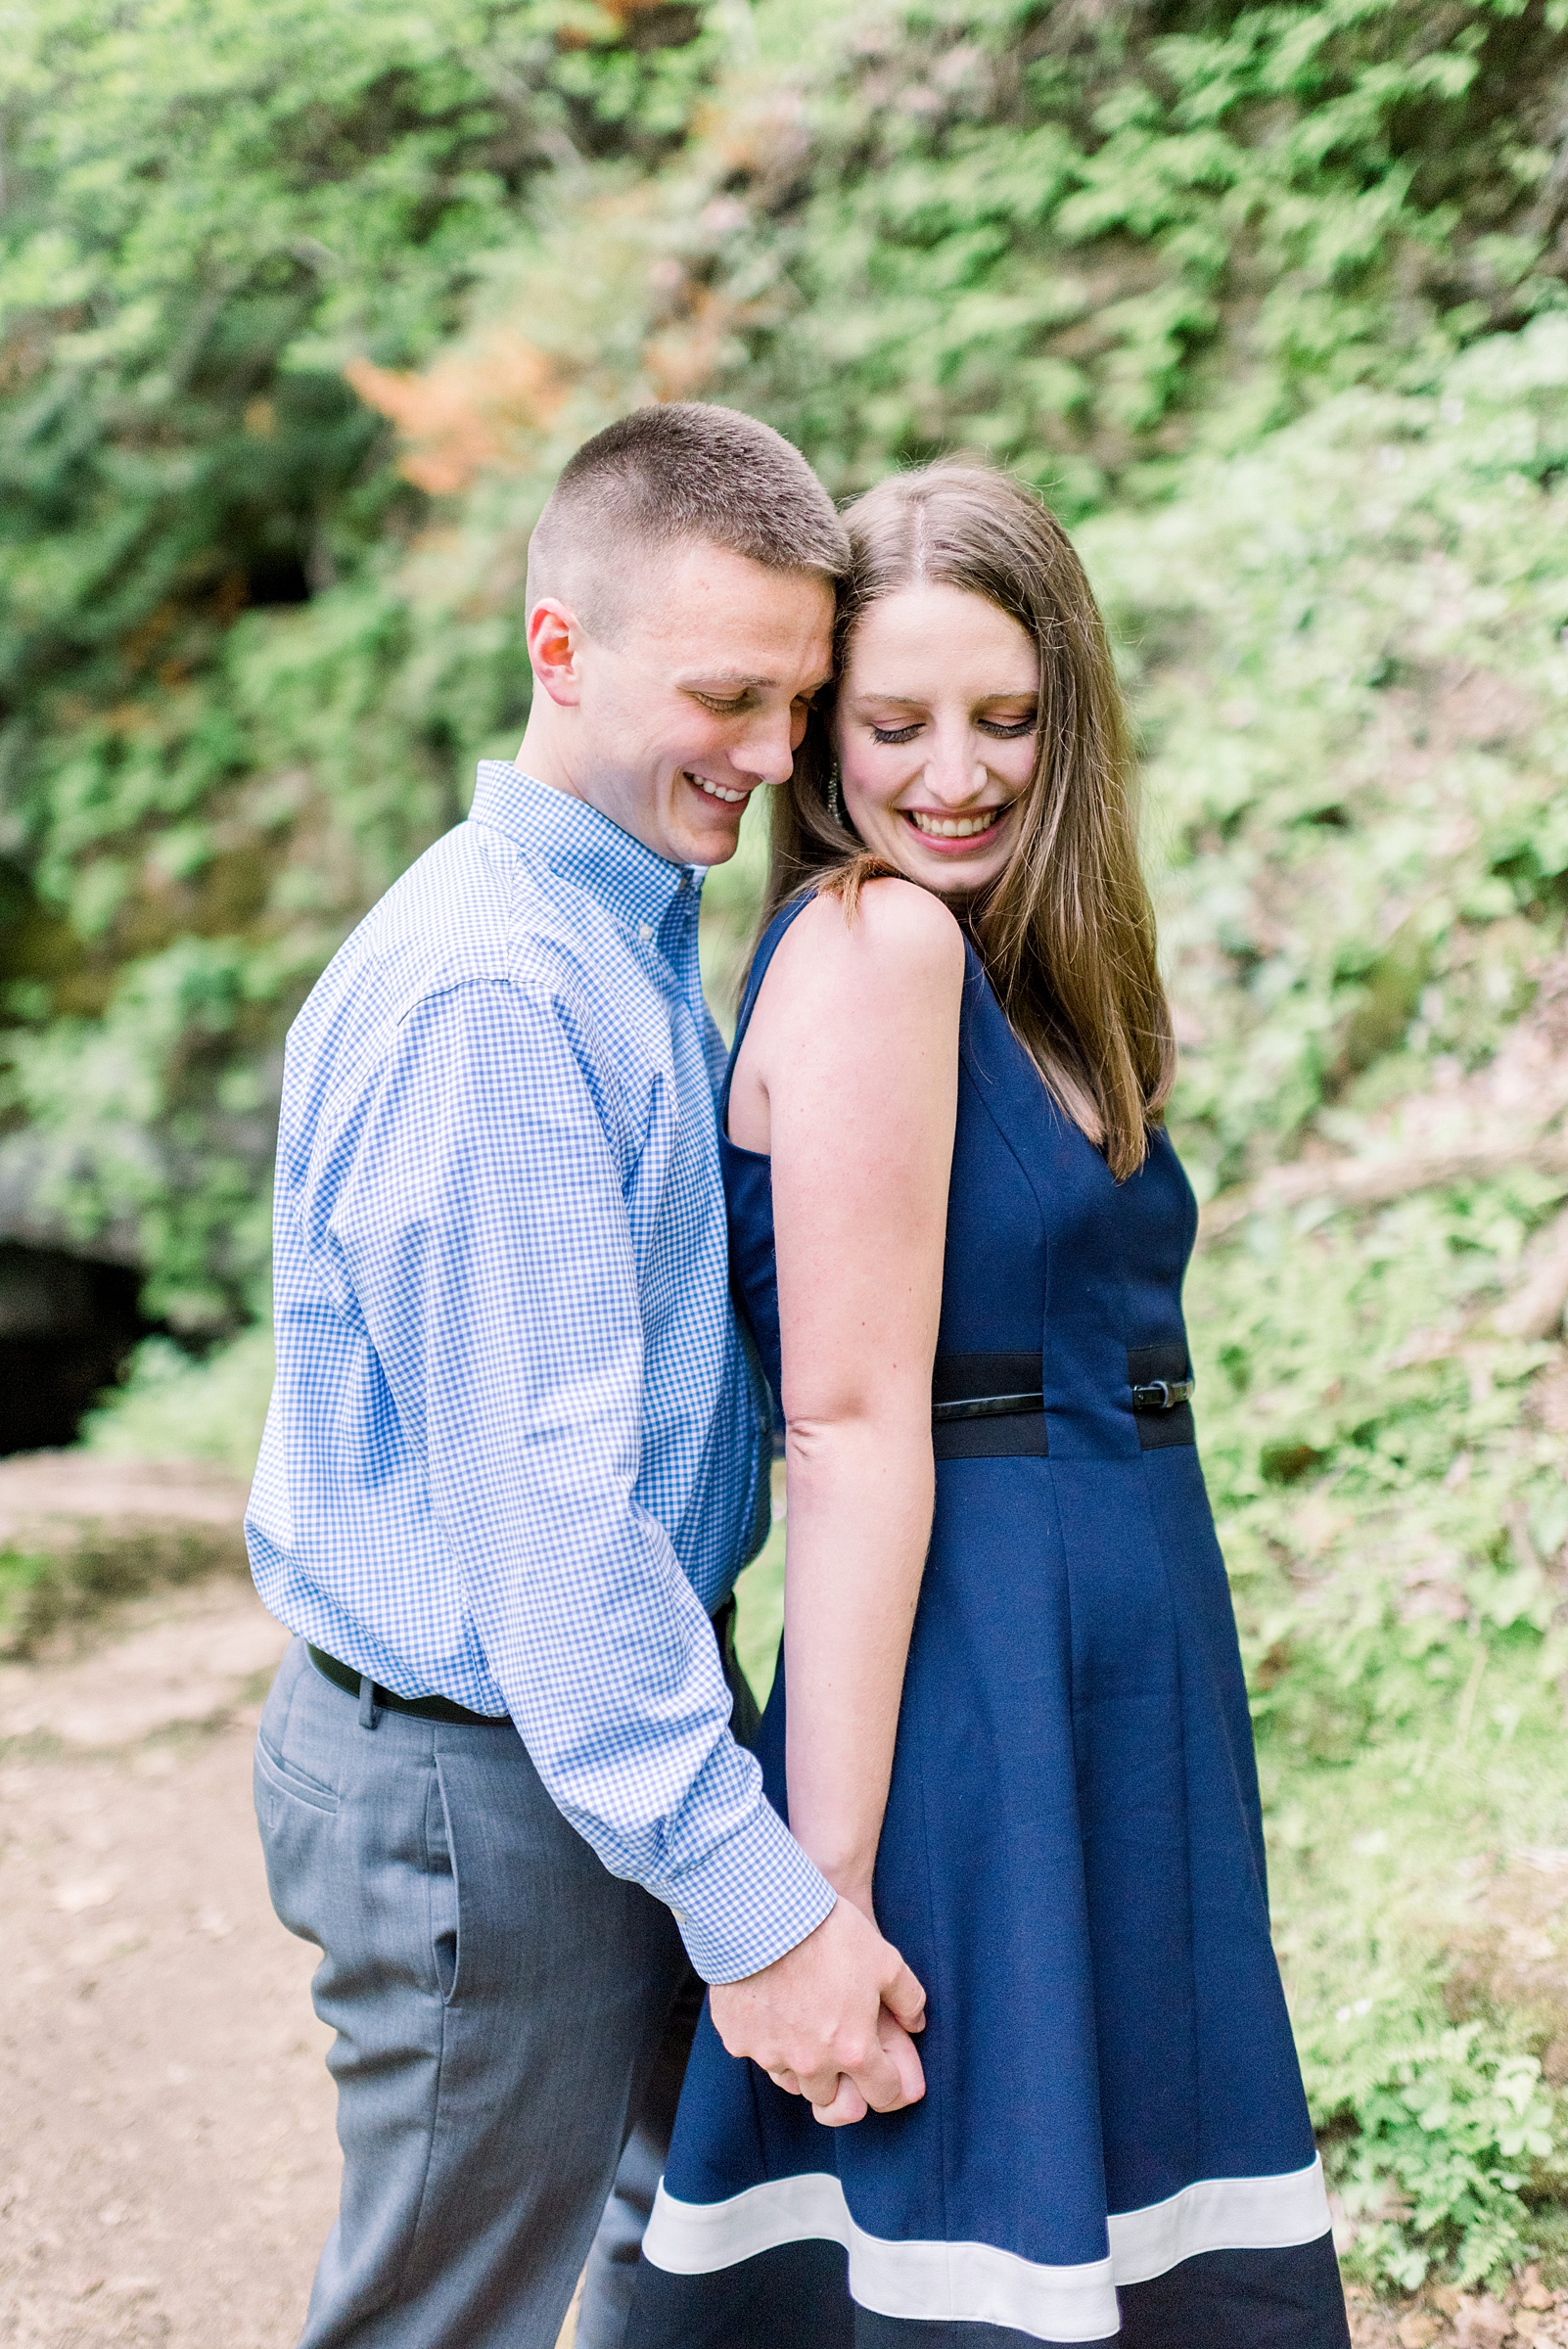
555 650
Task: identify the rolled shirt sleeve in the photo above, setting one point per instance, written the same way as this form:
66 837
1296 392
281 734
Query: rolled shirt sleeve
469 1196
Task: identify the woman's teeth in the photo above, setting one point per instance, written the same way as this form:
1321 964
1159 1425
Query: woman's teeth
714 791
955 827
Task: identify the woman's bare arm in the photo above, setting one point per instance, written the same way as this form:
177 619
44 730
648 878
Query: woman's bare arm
853 1061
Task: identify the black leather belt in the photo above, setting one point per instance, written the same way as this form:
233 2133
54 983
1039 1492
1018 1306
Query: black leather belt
1161 1383
988 1407
388 1700
373 1698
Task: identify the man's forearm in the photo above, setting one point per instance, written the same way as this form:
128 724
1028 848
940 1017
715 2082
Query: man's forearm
620 1695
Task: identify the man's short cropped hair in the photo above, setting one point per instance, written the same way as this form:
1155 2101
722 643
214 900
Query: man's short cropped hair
667 476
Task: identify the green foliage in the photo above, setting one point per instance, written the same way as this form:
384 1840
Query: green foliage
759 1605
169 1407
1347 647
22 1571
242 678
209 207
1394 1524
1448 2131
1075 237
217 744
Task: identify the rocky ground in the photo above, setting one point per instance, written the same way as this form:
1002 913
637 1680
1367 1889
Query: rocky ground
1527 2312
167 2163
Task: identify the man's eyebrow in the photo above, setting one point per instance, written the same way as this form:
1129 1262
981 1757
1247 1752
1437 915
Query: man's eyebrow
735 679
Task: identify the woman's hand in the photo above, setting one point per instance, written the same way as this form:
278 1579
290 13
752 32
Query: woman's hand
849 2105
814 2019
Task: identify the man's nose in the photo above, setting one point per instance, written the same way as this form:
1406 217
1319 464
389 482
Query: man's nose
767 749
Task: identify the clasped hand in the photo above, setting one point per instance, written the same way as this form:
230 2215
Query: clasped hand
831 2020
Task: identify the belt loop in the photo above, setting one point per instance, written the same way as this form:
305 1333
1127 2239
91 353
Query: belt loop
368 1708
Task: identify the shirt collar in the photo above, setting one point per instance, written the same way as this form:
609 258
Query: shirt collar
570 838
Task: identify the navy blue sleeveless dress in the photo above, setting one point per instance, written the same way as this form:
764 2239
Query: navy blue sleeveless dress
1113 2142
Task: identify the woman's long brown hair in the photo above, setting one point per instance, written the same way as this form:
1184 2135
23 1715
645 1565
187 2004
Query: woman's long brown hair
1066 932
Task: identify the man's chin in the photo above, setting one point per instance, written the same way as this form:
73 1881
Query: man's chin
717 847
707 828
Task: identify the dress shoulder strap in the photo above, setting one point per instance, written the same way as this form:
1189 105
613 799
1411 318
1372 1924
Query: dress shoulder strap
766 948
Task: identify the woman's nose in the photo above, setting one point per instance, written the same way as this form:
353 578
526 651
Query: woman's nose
954 772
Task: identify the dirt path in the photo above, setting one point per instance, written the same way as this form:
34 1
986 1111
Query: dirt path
167 2163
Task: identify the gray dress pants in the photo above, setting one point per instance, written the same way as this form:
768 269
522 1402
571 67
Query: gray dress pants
508 2014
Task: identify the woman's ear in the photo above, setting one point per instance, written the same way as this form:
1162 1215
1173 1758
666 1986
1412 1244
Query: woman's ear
555 650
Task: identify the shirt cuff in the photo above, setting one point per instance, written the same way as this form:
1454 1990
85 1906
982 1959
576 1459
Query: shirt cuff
749 1899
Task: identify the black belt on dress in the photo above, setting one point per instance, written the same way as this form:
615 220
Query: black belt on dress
987 1407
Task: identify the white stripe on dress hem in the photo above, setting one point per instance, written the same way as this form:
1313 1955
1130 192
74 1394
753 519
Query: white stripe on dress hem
978 2283
1219 2214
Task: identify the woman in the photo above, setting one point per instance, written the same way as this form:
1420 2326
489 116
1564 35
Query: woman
1016 1726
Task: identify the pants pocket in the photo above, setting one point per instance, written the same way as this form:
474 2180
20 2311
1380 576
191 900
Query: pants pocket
299 1823
446 1905
281 1776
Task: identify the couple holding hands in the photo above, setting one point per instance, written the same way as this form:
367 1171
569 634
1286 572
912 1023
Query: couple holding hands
935 2009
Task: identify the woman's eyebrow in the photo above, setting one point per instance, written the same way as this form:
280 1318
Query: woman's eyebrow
919 700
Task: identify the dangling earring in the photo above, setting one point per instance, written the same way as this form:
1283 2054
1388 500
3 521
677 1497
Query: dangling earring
834 799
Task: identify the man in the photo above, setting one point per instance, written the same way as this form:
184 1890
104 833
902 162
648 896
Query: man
514 1458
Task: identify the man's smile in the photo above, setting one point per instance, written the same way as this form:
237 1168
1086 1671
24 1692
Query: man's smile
714 791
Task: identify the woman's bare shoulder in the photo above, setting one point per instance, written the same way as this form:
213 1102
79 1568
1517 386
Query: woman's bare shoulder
898 938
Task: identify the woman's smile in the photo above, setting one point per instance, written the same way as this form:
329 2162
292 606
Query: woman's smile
946 831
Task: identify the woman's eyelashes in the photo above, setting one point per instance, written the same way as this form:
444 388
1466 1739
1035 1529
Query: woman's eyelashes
1000 729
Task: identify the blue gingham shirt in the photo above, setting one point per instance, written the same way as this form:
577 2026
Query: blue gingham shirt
515 1456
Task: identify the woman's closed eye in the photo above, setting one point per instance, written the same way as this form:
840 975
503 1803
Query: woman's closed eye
1000 729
